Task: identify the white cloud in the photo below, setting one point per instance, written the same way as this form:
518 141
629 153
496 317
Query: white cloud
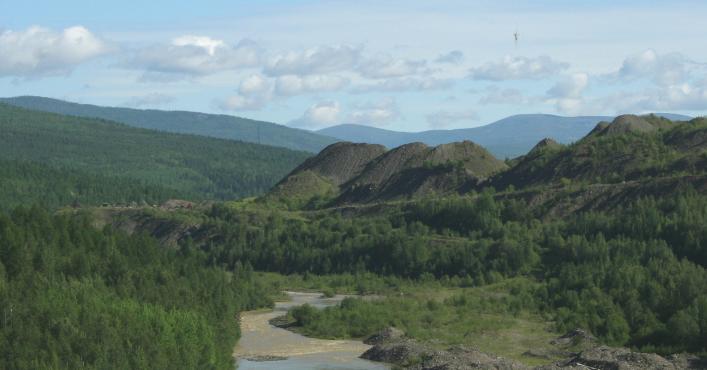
242 103
40 51
319 115
341 58
571 106
386 67
289 85
662 69
495 95
319 60
206 43
254 85
518 68
453 57
254 92
566 94
149 100
375 113
682 97
570 86
191 55
442 119
405 84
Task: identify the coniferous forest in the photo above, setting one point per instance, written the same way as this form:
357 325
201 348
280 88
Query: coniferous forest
370 185
132 285
75 297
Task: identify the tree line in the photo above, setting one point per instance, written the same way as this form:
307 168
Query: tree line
72 296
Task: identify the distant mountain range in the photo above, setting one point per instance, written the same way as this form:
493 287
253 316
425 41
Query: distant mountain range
212 125
507 138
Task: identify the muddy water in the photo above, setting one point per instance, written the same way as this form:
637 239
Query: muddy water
260 339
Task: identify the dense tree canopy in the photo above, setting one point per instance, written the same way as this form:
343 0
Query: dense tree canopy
75 297
196 167
635 275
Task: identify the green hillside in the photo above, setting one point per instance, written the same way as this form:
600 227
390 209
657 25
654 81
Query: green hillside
190 166
212 125
628 149
75 297
24 183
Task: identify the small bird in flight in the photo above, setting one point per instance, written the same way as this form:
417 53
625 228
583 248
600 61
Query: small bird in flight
515 36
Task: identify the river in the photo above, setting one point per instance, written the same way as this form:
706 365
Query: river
260 339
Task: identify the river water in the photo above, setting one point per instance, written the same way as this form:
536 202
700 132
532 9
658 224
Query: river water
259 339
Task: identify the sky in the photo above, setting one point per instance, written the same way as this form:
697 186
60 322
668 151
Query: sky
407 65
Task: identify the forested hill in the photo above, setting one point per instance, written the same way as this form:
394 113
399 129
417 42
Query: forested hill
212 125
189 166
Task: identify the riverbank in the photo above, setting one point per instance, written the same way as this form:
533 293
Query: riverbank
264 346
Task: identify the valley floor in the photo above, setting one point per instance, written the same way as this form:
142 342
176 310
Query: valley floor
488 318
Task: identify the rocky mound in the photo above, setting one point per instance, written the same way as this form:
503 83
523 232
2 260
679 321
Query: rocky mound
394 161
386 335
691 136
340 162
631 123
411 354
544 144
574 337
322 174
415 169
608 358
359 173
391 346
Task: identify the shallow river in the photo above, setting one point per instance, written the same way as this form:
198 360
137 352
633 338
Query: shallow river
259 338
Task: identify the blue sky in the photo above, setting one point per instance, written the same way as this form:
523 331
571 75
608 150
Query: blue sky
403 65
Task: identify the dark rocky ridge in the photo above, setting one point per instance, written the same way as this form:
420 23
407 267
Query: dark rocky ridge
392 346
359 173
629 148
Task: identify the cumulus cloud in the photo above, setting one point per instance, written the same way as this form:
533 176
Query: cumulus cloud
570 86
453 57
254 92
678 84
319 60
518 68
149 100
375 113
495 95
241 103
340 58
663 69
673 98
442 119
566 94
319 115
405 84
289 85
39 51
254 85
191 55
386 67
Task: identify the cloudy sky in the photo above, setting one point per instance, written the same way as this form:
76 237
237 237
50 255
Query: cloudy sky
402 65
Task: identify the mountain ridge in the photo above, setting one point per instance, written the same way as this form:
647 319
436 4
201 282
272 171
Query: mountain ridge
184 122
505 138
190 165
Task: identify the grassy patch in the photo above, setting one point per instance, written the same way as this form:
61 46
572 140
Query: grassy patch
493 318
